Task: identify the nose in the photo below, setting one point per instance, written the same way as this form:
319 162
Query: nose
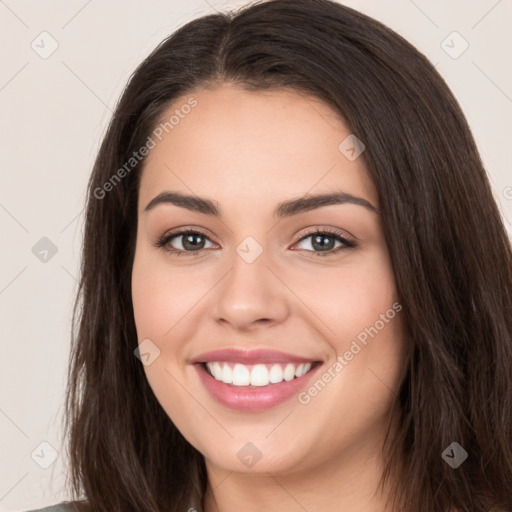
250 295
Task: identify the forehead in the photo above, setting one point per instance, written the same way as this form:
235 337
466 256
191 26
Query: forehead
236 145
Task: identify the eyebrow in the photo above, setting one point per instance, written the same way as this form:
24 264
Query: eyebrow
285 209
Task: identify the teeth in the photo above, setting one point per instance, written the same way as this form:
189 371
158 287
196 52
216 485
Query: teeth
241 375
259 375
276 374
289 372
216 371
302 369
227 374
256 375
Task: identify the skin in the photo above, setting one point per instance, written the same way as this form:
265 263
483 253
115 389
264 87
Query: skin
247 151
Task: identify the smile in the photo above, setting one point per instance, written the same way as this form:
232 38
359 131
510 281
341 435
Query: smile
257 375
254 388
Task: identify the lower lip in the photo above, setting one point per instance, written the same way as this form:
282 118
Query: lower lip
243 398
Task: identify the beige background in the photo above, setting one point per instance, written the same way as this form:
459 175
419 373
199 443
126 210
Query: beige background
54 112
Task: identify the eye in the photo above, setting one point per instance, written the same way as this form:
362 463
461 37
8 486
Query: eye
322 242
191 242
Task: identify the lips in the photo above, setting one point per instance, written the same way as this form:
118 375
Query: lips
260 356
253 380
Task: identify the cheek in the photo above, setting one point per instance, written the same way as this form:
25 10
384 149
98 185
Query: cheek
162 297
359 306
369 339
151 302
350 298
161 294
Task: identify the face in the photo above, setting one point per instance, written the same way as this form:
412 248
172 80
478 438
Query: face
264 292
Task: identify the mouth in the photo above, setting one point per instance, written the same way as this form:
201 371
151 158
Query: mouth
256 375
255 387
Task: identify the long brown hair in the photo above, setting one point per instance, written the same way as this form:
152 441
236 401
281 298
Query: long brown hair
448 246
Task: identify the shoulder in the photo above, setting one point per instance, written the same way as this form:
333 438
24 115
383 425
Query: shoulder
61 507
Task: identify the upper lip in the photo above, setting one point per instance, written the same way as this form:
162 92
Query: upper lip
263 356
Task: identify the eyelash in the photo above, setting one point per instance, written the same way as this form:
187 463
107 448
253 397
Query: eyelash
347 242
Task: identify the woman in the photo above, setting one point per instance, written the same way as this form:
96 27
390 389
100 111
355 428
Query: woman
295 287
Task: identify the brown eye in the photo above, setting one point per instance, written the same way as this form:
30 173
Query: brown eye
187 242
323 243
